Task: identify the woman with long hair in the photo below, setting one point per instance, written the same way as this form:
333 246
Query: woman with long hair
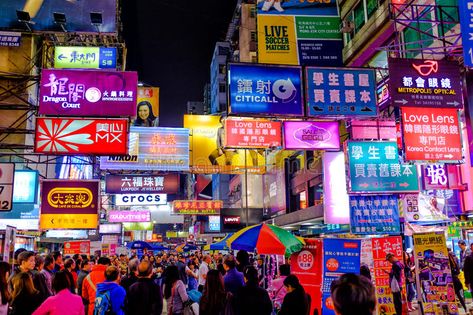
145 116
69 267
296 301
25 298
214 299
4 293
174 291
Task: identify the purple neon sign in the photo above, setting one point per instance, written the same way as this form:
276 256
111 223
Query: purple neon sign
129 216
311 135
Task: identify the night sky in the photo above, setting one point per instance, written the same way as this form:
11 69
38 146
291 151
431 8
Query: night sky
170 43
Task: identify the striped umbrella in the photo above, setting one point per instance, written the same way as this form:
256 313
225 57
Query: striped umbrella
265 239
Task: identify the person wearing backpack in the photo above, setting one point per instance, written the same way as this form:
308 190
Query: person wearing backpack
110 297
89 285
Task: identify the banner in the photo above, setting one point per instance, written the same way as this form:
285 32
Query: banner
208 153
265 90
87 93
311 135
425 83
81 136
69 204
375 167
85 57
299 33
147 108
374 214
254 133
197 207
129 216
7 176
336 205
340 256
77 247
140 199
380 247
139 184
307 266
434 279
341 91
156 149
431 134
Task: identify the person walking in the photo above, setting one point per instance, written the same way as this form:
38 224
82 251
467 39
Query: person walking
353 294
233 279
251 299
110 295
144 296
409 268
464 252
174 291
215 301
296 301
89 285
5 295
203 270
457 285
25 298
395 281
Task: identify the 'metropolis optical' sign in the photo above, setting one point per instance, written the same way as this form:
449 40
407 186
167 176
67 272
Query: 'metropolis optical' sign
140 199
136 184
87 93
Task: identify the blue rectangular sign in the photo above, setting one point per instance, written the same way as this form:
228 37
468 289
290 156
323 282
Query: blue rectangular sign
10 39
25 186
374 214
265 90
340 91
466 24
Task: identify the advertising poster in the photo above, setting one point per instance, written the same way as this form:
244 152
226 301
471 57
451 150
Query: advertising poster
77 15
307 266
340 256
431 134
139 184
366 255
81 136
147 107
157 149
299 33
255 133
375 167
129 216
265 90
85 57
425 83
422 207
341 91
77 247
336 203
374 214
380 247
434 279
311 135
9 244
69 204
87 93
208 153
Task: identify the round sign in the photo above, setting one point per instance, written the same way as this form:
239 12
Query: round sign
332 264
93 94
305 260
67 245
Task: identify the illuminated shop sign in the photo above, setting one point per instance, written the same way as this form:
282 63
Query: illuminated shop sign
129 216
83 57
140 199
135 184
197 207
252 133
311 135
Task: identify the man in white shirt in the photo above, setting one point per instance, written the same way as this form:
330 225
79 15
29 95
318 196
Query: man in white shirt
203 270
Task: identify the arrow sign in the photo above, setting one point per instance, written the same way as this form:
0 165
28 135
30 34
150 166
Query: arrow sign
61 57
403 101
455 103
52 221
364 185
448 156
404 184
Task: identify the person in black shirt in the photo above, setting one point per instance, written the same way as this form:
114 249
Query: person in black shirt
251 299
296 301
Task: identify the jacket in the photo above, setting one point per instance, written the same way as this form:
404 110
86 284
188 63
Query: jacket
63 302
253 300
144 297
25 304
80 280
233 281
295 303
96 276
468 270
117 296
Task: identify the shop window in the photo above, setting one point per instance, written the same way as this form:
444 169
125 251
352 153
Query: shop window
221 68
253 12
359 16
254 36
371 6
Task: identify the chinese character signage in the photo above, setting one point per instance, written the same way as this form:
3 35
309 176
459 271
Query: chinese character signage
434 176
299 33
431 134
77 247
265 90
87 93
373 130
140 199
129 216
81 136
10 39
147 108
139 184
380 247
152 148
341 91
374 214
311 135
84 57
252 133
425 83
336 205
7 176
433 273
340 256
69 204
197 207
466 26
375 167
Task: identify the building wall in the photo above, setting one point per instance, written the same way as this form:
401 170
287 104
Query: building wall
247 33
218 99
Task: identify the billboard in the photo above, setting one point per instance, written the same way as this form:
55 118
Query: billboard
255 133
10 39
81 136
299 33
147 108
425 83
197 207
374 214
311 135
265 90
87 93
129 216
85 57
336 205
139 184
69 204
152 148
7 175
208 153
25 187
375 167
77 14
77 247
114 228
340 91
140 199
431 134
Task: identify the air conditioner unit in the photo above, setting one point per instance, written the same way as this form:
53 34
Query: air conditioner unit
347 26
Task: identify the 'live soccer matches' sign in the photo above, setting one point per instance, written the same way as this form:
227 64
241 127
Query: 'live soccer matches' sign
425 83
375 167
374 214
333 92
252 133
197 207
138 184
431 134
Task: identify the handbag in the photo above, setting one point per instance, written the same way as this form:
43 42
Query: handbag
395 285
190 308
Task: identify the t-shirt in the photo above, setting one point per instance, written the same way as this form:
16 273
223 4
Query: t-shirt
203 270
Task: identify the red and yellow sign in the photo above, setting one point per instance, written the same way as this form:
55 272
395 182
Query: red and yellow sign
197 207
256 133
77 247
